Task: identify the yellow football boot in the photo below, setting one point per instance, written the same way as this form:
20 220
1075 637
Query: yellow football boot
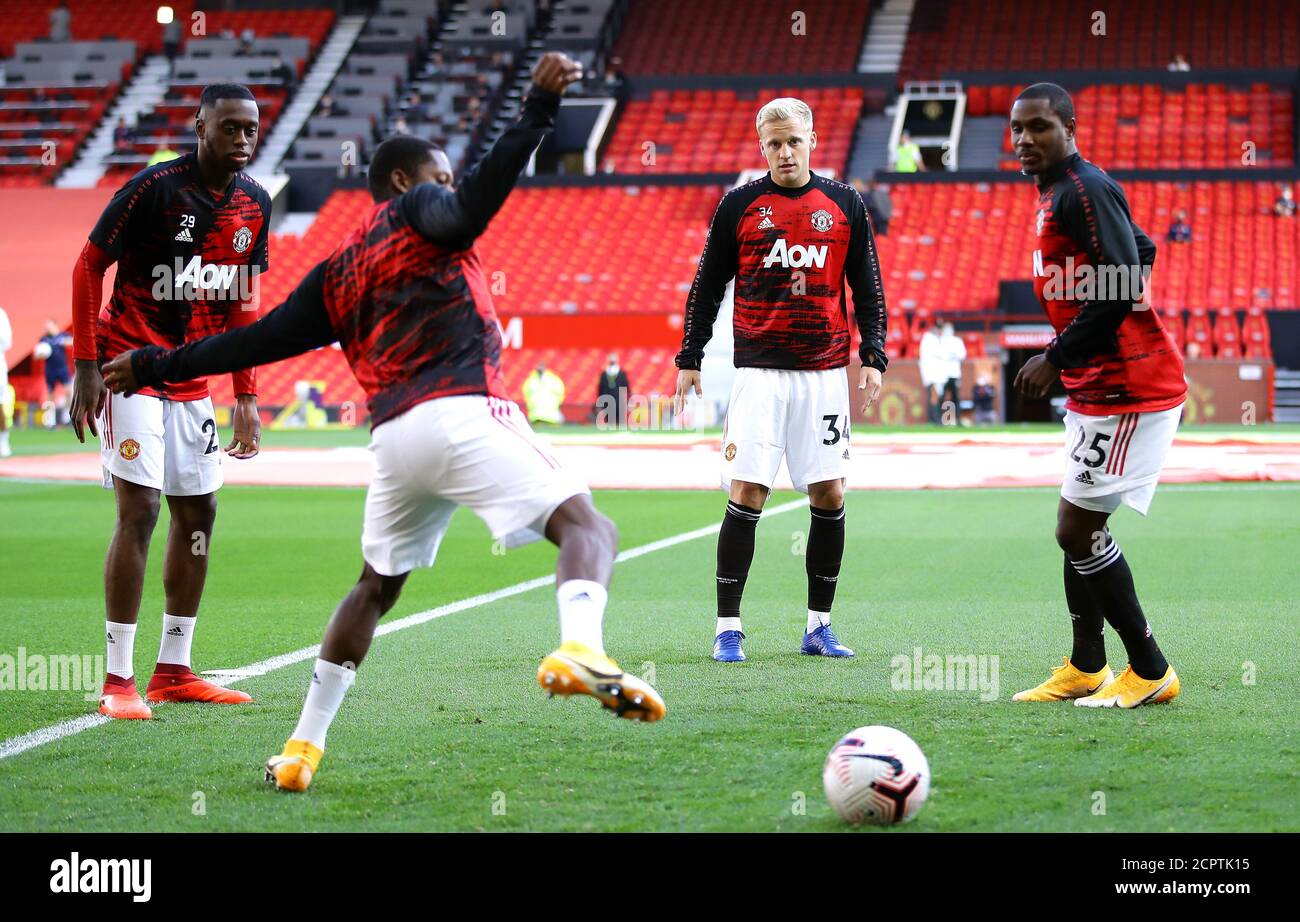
1066 682
576 669
293 769
1131 690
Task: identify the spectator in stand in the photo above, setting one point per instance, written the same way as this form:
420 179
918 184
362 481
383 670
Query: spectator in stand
1179 64
246 48
171 36
282 72
328 107
400 126
61 23
53 348
906 157
612 392
983 397
880 207
162 154
121 137
544 396
1180 231
6 407
1284 207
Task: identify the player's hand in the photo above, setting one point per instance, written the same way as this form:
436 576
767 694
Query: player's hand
248 429
869 382
119 376
687 378
1036 377
555 71
88 395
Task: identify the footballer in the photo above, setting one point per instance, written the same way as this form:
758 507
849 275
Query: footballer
181 232
791 240
1123 377
405 296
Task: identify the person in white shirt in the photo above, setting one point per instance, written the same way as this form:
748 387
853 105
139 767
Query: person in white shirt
952 352
932 367
6 343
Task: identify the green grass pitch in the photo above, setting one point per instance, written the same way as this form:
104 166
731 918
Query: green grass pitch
446 728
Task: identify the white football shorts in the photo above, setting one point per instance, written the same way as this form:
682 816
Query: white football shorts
1114 460
169 445
802 416
473 451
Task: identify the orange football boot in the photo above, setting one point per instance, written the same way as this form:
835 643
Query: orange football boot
179 683
121 701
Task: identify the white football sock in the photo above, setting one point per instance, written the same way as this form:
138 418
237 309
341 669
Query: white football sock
582 609
121 649
329 683
728 624
817 618
4 438
177 635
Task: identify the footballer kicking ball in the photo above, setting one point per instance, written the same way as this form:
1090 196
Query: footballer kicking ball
876 775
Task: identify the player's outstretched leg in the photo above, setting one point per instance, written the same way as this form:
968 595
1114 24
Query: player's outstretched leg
185 570
347 640
1148 678
735 554
588 542
822 558
128 552
1085 670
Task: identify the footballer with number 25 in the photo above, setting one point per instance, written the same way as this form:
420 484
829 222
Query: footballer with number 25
1123 376
791 240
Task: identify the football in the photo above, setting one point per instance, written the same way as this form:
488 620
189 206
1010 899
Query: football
42 351
876 775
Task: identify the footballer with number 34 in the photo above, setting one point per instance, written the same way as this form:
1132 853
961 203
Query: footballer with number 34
791 240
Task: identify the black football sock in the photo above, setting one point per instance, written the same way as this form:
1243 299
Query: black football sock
735 554
1108 576
1089 653
822 560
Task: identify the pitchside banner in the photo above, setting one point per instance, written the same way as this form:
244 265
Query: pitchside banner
1227 391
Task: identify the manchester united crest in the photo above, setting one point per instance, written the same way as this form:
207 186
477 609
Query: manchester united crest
822 221
730 452
243 239
129 450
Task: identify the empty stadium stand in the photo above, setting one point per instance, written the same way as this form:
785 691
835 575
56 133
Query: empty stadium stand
950 244
1200 126
712 131
960 36
689 37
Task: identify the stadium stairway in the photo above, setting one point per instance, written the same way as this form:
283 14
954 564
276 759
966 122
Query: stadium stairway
508 111
146 90
870 146
317 80
981 141
886 38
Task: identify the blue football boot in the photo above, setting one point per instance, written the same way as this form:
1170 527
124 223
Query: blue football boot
823 642
726 647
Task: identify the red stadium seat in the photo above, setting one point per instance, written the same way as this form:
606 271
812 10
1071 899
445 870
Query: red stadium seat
1227 334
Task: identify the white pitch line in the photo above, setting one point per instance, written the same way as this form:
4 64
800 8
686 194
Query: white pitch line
19 744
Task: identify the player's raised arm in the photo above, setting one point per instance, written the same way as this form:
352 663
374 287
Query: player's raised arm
459 216
1096 216
300 324
862 271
